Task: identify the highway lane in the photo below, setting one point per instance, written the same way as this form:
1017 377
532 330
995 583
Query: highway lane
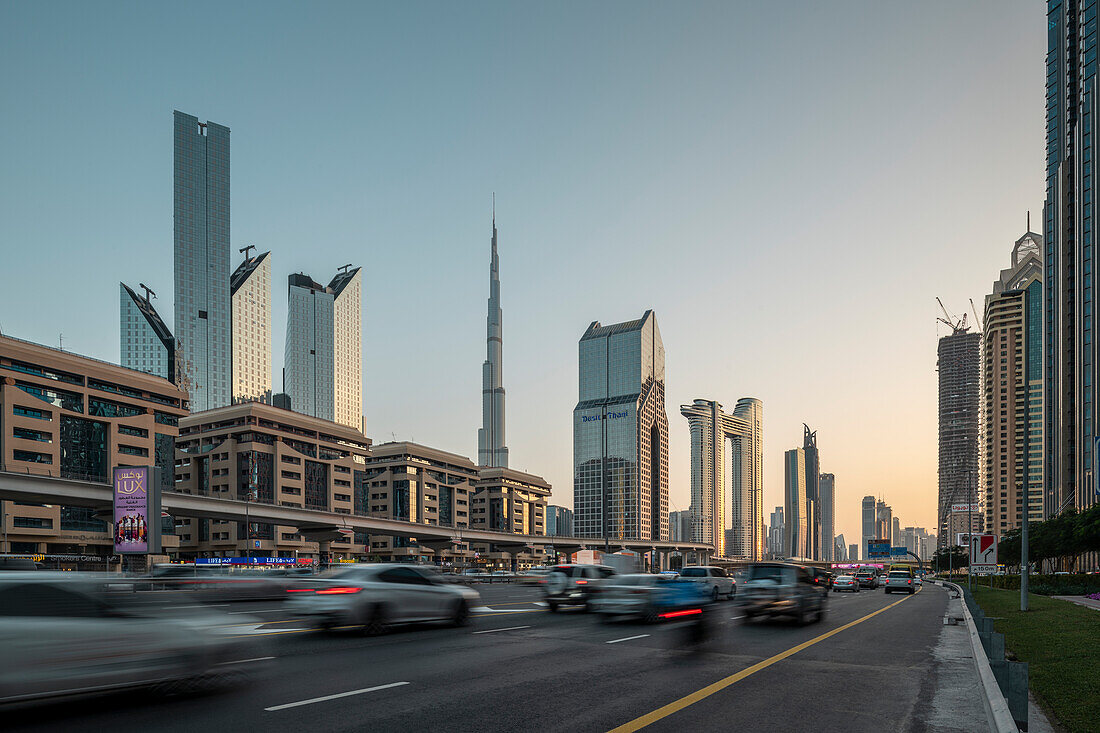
519 667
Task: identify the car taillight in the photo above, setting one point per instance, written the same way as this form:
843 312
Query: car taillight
676 614
910 581
582 582
299 590
339 589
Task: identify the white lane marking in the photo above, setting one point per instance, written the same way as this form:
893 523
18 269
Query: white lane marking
629 638
246 661
544 604
510 628
734 618
487 609
333 697
258 630
202 605
263 610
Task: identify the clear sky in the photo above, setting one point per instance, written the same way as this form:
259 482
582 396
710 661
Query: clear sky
788 185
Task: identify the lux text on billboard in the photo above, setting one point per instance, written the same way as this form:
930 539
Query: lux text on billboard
136 510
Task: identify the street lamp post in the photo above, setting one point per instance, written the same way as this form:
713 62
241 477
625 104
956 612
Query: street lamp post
970 528
1023 549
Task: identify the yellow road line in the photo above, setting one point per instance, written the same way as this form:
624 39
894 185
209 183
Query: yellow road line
683 702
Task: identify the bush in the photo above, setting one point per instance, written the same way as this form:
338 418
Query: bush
1048 585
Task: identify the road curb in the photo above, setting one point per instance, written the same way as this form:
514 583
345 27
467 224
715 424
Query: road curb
996 707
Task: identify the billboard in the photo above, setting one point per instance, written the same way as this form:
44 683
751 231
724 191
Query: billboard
136 510
878 549
965 508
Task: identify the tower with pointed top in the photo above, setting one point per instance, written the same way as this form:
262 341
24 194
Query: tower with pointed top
491 450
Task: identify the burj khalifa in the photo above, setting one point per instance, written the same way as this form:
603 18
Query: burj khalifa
491 450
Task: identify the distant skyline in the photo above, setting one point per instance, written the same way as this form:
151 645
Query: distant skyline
787 187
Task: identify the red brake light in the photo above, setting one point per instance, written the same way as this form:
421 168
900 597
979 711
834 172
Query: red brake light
910 581
689 612
582 582
339 589
299 590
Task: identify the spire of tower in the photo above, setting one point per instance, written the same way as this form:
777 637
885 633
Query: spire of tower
491 449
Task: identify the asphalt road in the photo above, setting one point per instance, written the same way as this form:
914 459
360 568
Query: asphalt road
518 667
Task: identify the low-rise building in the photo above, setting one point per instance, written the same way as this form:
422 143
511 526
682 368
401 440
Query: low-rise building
74 417
261 453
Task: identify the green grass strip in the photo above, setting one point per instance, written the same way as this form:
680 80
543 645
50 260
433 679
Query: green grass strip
1060 641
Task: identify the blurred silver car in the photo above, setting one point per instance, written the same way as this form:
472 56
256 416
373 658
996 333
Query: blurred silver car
846 583
634 595
376 596
68 633
715 579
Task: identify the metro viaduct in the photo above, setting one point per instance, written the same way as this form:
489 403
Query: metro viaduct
317 525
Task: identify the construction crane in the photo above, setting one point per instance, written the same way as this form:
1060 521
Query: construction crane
977 320
958 325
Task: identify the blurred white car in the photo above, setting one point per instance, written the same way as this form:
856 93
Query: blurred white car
68 633
378 596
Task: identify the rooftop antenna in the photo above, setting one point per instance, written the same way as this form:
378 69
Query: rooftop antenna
1029 220
344 268
247 251
60 342
148 291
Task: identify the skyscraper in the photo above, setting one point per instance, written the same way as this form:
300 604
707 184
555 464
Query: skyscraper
739 508
201 244
884 517
840 549
959 413
491 450
813 504
775 532
1012 358
1070 260
250 294
323 365
895 532
797 513
868 525
826 493
145 342
559 521
620 433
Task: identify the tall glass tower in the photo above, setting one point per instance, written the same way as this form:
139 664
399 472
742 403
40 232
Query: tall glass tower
201 240
1070 258
491 450
250 290
620 433
145 343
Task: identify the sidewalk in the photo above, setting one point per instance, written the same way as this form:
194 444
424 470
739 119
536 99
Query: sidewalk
1080 601
956 705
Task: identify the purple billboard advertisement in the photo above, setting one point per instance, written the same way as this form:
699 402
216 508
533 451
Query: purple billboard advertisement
131 497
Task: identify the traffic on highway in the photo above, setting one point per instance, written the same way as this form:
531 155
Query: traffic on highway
402 647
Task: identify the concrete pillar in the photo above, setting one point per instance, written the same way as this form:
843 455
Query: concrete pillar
325 554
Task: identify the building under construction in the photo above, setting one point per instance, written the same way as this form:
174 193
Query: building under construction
959 366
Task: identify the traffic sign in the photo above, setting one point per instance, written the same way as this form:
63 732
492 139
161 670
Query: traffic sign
878 548
899 551
983 554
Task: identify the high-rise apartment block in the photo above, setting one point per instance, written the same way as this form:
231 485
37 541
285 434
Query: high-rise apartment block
826 495
1070 263
491 450
740 507
959 367
145 343
250 294
620 433
323 362
1012 367
201 255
